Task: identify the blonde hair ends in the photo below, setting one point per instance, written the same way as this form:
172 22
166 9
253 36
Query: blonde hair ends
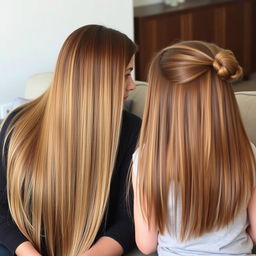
193 140
63 145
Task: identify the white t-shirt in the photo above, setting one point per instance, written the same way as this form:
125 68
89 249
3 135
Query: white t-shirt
229 241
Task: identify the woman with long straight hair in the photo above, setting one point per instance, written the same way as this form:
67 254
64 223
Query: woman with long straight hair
65 155
194 170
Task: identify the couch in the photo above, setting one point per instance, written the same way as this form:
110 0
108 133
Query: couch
38 83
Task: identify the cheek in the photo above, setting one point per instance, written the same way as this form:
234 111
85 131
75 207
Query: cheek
129 83
126 85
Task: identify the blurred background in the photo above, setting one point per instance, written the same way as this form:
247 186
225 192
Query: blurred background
32 32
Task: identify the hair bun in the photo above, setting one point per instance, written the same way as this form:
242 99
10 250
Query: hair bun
227 66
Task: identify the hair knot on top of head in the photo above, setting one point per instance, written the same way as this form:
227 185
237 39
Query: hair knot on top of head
227 66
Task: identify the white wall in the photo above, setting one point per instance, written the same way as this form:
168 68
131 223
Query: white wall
32 32
138 3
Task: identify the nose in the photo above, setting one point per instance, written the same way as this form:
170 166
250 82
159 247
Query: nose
130 84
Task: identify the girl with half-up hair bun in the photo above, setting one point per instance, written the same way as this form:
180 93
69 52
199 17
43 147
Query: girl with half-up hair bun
65 155
194 169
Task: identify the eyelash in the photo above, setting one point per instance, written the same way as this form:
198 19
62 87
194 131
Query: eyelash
127 75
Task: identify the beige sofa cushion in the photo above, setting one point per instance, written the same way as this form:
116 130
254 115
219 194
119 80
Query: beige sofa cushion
38 83
138 98
247 106
246 102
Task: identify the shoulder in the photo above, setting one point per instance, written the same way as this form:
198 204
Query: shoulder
130 121
129 131
5 137
135 162
253 148
7 123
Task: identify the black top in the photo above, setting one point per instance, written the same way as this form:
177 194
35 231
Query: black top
117 223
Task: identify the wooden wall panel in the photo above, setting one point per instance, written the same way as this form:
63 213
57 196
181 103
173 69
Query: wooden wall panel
254 36
203 25
158 32
238 32
228 23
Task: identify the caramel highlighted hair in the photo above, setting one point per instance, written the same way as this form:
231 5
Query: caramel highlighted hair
63 145
193 145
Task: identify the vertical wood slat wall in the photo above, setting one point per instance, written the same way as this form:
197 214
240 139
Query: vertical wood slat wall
254 36
229 23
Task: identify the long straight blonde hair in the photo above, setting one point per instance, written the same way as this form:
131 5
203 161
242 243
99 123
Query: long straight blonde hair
63 145
193 140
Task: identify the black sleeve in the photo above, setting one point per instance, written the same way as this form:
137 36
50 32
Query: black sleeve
121 227
10 235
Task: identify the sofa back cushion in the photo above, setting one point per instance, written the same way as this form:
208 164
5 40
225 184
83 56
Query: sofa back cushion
246 102
247 105
38 83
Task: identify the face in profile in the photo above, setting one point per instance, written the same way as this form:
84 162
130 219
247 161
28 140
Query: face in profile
129 82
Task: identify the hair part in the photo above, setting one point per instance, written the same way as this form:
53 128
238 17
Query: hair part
193 146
